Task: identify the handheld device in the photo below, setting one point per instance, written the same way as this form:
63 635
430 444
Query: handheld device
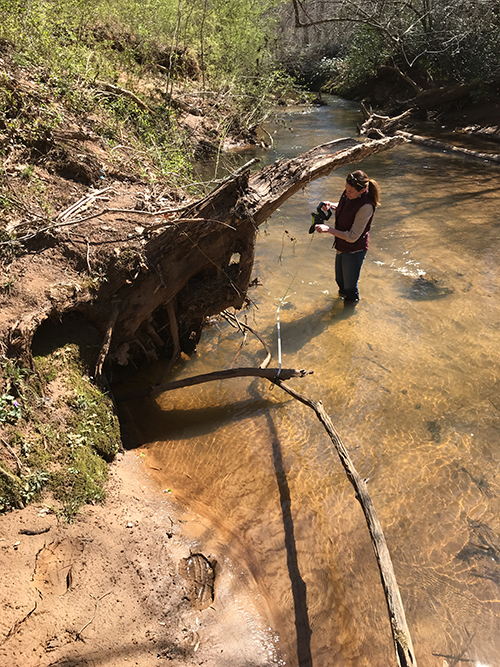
319 216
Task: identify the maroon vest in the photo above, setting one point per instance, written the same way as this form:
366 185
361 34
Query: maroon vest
344 219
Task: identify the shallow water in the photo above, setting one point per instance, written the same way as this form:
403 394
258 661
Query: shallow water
410 378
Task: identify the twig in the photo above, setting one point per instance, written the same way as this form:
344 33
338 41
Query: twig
18 461
88 256
231 316
9 476
63 215
17 625
79 634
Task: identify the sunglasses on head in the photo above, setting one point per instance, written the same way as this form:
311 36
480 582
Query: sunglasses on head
354 181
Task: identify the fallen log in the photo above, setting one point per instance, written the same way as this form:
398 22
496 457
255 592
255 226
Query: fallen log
449 148
205 265
198 257
436 97
489 132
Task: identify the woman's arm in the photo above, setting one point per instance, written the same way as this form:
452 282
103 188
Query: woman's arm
358 226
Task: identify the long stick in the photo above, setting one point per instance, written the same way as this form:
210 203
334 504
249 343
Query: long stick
401 635
403 645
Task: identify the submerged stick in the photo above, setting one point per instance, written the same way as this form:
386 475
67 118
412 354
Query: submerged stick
403 645
401 635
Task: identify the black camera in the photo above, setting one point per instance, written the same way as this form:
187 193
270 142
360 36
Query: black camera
319 216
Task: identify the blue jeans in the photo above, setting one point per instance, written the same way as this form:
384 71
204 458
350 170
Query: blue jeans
347 269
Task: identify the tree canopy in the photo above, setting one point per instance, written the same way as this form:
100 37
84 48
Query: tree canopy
426 42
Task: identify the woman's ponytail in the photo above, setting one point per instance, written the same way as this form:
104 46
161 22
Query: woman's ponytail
374 191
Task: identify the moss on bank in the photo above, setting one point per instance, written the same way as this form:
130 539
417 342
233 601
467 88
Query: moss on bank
57 428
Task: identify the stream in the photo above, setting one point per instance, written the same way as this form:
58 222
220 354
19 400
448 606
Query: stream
410 377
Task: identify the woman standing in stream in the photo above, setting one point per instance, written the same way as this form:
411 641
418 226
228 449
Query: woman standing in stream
353 218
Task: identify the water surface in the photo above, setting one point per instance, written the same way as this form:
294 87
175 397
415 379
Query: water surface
410 378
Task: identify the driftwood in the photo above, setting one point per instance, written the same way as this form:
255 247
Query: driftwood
376 126
448 148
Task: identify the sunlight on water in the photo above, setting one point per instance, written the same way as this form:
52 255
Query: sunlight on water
410 378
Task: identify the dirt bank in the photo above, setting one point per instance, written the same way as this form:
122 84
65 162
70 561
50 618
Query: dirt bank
110 589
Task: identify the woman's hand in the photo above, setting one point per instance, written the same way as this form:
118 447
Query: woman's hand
322 229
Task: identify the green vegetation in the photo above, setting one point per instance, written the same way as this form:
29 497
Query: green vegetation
91 91
58 431
124 69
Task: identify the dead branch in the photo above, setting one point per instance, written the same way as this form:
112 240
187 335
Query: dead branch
125 93
96 603
107 342
18 624
268 373
231 317
401 635
21 468
381 125
9 476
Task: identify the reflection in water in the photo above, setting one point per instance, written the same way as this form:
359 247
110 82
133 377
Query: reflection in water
410 378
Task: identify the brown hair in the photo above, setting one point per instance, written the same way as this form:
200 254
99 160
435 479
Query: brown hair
359 180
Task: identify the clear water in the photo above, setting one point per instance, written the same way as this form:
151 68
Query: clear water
410 378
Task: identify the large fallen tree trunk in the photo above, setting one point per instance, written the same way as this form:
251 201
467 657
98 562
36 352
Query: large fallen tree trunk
184 264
